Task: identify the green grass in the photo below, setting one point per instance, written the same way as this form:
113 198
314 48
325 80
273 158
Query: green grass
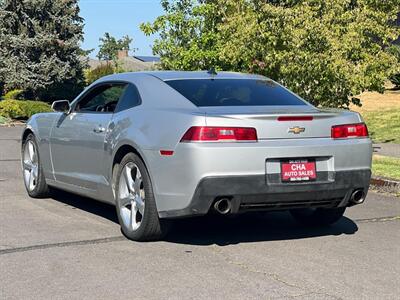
384 125
387 167
3 120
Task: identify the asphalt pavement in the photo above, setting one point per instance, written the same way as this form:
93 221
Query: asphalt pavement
69 247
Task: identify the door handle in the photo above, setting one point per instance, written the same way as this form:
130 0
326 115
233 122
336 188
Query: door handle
99 129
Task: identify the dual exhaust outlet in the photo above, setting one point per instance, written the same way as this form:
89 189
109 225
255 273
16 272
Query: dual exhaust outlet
357 197
224 206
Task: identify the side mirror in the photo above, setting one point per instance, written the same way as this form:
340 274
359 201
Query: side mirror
61 106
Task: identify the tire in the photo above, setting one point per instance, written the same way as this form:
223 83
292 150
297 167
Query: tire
135 204
34 180
318 216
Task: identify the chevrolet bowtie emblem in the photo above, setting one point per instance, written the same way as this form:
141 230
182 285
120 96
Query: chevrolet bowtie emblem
296 130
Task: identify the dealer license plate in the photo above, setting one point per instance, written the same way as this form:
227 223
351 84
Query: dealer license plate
298 170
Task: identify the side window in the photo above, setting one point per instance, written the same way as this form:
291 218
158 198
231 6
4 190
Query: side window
101 99
130 98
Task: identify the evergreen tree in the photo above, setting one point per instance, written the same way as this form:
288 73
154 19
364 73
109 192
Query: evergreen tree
40 47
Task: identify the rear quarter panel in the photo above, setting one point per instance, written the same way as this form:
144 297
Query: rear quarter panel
157 124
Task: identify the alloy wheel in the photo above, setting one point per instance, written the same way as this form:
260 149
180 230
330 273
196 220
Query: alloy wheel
131 196
30 165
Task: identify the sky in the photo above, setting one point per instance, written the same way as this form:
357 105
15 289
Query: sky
119 18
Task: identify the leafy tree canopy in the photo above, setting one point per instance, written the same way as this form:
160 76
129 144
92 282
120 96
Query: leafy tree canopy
188 34
39 47
109 46
98 72
326 51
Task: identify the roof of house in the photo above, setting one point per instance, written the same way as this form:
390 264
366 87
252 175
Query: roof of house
154 59
128 63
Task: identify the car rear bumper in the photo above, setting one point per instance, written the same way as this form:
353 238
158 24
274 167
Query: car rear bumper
251 170
258 192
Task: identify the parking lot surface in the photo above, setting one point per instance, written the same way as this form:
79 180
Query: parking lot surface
69 247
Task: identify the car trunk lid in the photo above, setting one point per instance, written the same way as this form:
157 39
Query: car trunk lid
280 122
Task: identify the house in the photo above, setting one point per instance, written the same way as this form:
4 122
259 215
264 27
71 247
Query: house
130 63
148 59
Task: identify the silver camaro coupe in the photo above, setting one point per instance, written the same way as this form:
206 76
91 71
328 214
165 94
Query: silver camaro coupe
164 145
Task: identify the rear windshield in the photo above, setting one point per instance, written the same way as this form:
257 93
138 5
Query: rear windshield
234 92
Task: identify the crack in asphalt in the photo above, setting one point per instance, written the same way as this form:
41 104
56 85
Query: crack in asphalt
18 140
10 159
273 276
64 244
244 266
376 220
277 278
315 293
122 238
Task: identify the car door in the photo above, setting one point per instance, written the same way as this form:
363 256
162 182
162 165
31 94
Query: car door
78 139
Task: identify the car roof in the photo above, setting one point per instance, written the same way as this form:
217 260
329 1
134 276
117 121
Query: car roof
177 75
174 75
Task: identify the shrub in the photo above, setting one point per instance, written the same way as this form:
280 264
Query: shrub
98 72
11 109
14 95
3 120
395 79
35 107
22 109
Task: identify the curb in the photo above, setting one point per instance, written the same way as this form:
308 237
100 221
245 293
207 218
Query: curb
387 185
12 124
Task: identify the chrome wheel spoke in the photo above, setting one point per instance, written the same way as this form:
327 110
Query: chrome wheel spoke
128 178
125 201
137 185
31 149
139 204
28 165
27 174
35 171
31 181
133 224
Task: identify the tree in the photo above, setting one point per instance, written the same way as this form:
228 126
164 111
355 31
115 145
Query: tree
110 46
91 75
188 34
39 47
326 51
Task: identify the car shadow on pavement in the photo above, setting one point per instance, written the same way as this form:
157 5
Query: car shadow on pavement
221 230
104 210
250 227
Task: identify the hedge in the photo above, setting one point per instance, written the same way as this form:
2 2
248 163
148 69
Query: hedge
22 109
14 95
4 120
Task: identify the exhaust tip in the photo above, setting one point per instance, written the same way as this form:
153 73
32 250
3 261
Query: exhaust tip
223 206
357 197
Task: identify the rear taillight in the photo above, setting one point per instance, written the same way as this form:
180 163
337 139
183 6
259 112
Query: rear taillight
349 131
219 134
